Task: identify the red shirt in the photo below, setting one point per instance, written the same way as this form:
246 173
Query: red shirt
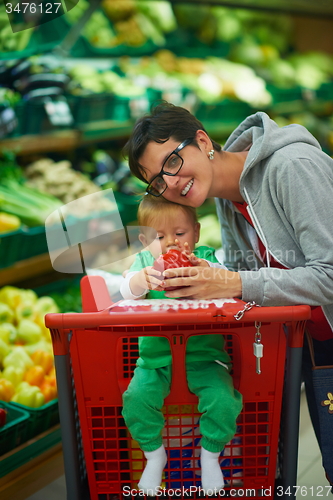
317 326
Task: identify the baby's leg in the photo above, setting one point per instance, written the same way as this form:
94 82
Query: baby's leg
142 404
220 405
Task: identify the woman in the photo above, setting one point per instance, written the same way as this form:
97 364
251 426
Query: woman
273 189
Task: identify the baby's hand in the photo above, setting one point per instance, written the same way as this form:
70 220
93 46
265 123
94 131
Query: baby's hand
147 278
152 278
195 261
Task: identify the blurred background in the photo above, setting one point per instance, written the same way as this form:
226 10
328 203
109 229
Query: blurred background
74 77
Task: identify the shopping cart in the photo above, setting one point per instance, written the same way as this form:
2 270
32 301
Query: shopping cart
95 354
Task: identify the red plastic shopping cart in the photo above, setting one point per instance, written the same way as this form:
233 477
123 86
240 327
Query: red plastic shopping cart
95 354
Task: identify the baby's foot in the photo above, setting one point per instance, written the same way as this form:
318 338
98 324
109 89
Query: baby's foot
152 475
211 475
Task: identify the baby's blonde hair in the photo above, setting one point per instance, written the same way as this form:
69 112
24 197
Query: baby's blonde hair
151 207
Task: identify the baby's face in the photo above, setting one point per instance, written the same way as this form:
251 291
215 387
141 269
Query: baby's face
176 224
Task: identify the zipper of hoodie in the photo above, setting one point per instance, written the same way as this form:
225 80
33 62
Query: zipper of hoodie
256 225
259 231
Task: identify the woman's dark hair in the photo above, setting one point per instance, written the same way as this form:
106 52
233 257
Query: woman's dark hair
165 121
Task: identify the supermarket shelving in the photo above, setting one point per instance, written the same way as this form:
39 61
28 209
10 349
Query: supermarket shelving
320 8
31 466
39 461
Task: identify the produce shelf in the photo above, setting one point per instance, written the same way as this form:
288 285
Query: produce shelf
31 466
26 269
67 139
13 432
320 8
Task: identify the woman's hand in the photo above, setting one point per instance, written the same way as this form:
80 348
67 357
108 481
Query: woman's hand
147 278
202 283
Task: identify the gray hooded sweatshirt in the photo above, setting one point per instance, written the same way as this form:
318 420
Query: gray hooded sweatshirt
287 182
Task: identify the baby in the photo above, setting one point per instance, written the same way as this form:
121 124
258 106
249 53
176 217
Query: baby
207 363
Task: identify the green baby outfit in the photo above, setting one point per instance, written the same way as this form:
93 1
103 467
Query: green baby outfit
219 403
155 351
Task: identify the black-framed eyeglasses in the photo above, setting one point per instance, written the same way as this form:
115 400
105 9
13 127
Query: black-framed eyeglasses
171 166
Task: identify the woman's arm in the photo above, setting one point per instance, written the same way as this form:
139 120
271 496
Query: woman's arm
203 283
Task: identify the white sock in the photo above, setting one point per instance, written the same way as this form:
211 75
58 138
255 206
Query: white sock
152 475
211 475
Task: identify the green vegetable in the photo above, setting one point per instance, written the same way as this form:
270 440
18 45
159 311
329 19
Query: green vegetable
28 395
18 357
41 345
7 332
70 300
31 206
160 14
14 374
28 332
4 349
45 305
6 313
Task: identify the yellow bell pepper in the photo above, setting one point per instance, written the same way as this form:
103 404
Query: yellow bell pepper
42 345
13 296
8 222
6 313
7 332
49 391
7 390
25 310
18 357
44 359
35 375
14 374
28 332
28 395
10 295
4 349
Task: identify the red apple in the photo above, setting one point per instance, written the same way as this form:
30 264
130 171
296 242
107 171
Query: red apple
173 258
3 417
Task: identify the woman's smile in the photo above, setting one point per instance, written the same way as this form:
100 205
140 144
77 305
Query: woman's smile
187 188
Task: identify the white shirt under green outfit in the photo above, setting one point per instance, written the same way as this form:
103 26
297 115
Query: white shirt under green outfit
207 376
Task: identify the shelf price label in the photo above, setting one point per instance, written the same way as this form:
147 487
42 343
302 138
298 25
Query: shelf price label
8 121
58 112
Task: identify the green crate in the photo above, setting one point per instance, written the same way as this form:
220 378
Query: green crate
32 450
44 38
40 419
287 100
282 95
35 119
224 111
65 292
10 245
325 91
33 242
19 112
99 107
127 206
91 108
14 432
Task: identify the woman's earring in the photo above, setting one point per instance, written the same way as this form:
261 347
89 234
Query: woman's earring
211 154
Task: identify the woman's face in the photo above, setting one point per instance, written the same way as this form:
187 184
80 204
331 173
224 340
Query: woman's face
192 185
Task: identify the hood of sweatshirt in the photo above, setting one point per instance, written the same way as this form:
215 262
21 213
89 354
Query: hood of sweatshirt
264 138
